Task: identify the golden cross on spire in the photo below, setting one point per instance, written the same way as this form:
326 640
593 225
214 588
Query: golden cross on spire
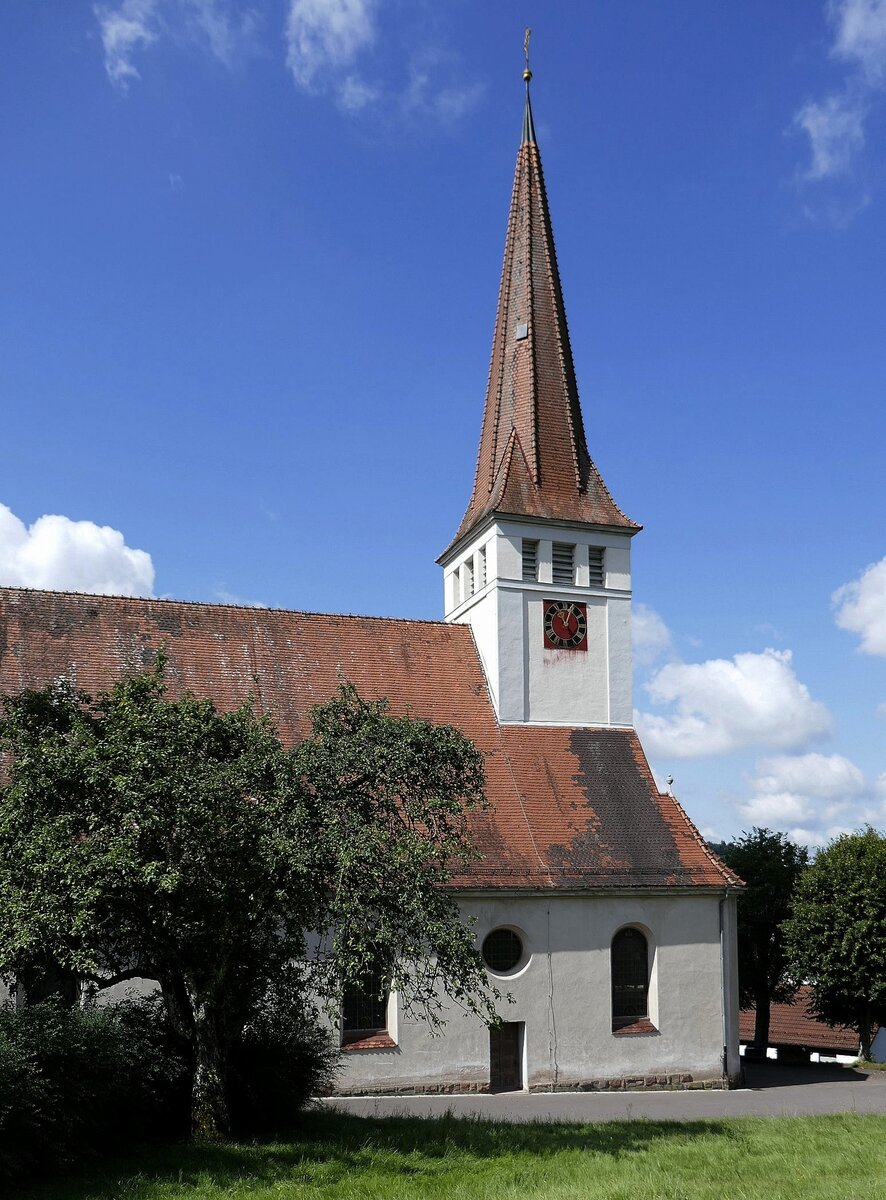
527 74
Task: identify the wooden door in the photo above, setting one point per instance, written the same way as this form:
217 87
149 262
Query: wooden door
505 1057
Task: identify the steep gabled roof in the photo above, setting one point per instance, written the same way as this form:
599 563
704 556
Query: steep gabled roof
533 458
570 808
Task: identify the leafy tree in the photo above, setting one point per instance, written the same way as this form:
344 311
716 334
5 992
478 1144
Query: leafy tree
146 836
770 864
836 937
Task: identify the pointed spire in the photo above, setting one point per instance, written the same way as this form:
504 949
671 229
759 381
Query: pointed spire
533 459
528 127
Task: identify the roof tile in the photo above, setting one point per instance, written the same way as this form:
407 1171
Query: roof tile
570 808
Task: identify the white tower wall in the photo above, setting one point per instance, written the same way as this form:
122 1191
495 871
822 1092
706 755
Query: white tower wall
528 682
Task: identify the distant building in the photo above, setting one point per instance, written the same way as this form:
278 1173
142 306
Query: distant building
794 1033
599 907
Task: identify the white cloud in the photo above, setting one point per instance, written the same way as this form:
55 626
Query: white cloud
328 49
424 95
806 836
813 797
860 36
777 810
325 36
220 25
835 125
827 776
225 597
652 638
80 556
355 94
222 28
727 705
861 608
125 30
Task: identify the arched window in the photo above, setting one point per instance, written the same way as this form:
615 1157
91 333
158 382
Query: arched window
630 978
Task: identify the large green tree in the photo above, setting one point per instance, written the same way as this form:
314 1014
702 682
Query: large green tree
770 864
149 836
836 937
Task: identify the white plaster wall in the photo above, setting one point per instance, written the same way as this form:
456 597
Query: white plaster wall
563 994
483 617
621 660
567 686
878 1046
513 656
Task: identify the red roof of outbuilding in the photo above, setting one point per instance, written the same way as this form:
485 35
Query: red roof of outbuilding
533 458
570 808
794 1025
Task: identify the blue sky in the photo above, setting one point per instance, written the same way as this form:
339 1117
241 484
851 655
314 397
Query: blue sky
250 253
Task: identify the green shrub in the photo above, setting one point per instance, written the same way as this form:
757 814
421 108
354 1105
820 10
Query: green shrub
74 1081
284 1056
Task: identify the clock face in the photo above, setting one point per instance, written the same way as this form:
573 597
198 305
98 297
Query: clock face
565 625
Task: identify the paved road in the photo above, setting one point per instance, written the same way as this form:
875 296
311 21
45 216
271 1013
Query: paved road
771 1091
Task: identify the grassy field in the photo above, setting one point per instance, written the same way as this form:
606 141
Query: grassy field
337 1157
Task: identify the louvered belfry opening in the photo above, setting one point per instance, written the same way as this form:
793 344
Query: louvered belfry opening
596 573
563 556
530 560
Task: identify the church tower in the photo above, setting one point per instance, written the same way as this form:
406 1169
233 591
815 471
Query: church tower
540 565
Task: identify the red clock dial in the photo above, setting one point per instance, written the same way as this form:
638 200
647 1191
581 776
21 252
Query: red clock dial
565 625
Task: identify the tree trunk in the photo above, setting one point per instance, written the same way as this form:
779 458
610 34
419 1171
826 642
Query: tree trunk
210 1119
198 1022
864 1030
761 1021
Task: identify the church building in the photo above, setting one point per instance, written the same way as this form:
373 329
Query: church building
599 908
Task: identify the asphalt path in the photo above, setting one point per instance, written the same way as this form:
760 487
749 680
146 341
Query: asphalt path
770 1091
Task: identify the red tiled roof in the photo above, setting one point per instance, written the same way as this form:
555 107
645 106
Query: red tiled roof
571 808
794 1025
533 458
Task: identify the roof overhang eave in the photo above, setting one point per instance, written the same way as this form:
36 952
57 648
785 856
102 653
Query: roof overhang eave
495 514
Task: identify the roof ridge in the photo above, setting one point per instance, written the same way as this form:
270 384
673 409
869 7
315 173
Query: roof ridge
220 604
715 861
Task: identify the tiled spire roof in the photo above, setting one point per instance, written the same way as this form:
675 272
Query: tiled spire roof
533 458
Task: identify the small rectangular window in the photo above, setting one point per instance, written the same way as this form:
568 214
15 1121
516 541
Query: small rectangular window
530 560
597 576
467 569
481 568
365 1003
563 562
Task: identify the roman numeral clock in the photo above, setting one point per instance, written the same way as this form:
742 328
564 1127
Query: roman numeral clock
565 625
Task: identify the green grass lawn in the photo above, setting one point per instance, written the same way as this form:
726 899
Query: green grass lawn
335 1156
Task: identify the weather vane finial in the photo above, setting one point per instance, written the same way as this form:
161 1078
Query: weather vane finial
527 74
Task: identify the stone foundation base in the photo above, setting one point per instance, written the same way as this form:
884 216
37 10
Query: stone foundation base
638 1083
625 1083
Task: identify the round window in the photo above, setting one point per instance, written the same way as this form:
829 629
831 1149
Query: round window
502 950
